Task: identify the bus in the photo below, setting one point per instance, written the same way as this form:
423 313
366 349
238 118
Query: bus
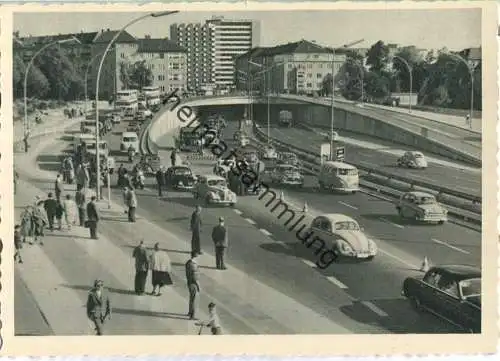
127 94
338 177
152 95
125 105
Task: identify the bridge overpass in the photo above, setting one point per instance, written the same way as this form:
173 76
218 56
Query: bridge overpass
429 135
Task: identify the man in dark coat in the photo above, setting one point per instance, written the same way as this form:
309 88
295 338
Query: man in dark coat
141 268
196 230
50 206
80 203
92 217
173 157
193 283
160 181
220 238
98 306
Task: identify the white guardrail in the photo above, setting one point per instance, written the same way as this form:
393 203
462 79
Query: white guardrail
467 208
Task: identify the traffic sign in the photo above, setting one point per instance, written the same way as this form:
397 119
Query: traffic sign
340 154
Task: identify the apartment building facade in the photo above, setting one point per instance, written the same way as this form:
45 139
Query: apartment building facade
212 47
299 67
167 62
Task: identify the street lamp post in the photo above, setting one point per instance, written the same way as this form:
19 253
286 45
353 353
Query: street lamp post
30 64
332 113
471 73
98 161
267 84
410 71
86 79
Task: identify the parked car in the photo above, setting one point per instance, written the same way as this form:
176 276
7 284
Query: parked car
451 292
422 207
213 189
412 159
285 174
343 235
180 177
289 158
269 153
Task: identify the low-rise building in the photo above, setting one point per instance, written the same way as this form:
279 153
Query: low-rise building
300 68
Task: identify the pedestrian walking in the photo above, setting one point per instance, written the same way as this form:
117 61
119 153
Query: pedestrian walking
131 204
50 206
81 205
160 181
70 211
173 157
92 217
141 268
16 178
59 214
213 322
40 221
192 278
18 243
220 239
27 229
160 270
195 227
98 306
26 143
58 187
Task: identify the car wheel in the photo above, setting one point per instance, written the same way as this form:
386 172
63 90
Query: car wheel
207 200
415 303
321 186
231 204
370 258
441 222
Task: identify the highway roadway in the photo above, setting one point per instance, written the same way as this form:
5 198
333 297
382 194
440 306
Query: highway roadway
463 139
362 297
458 178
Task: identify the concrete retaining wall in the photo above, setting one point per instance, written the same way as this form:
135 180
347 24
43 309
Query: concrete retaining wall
164 129
319 116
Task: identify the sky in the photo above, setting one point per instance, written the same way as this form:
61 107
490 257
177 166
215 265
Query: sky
455 29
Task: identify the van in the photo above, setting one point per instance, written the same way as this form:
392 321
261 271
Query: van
338 177
129 139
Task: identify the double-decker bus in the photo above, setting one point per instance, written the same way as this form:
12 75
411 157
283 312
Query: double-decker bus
152 95
127 94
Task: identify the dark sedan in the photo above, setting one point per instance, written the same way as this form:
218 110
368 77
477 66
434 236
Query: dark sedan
180 177
451 292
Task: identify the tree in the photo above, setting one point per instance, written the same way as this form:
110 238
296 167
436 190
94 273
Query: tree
18 69
377 56
326 84
402 73
38 84
377 85
65 82
353 76
140 75
124 75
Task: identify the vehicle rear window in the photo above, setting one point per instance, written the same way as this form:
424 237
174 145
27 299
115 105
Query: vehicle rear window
344 171
346 226
182 171
425 200
129 139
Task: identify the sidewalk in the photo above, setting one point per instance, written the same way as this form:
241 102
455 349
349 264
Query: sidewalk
246 306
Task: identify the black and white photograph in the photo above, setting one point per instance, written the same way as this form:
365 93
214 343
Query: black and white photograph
254 171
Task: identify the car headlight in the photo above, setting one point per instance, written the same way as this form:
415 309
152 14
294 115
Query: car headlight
179 183
345 247
426 212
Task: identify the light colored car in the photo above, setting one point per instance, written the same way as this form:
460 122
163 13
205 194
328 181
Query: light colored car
269 153
244 141
213 189
286 174
412 159
422 207
289 158
343 235
129 139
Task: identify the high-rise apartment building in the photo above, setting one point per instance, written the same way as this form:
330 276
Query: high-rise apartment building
212 48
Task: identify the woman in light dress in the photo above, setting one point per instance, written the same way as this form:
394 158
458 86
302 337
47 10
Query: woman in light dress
70 211
161 268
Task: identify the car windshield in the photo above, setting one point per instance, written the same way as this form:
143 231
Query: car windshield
217 183
418 155
425 200
288 169
346 226
129 139
182 171
471 287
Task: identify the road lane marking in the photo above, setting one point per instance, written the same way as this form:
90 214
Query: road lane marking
309 263
336 282
391 223
347 205
374 308
398 259
266 232
251 221
283 244
237 211
450 246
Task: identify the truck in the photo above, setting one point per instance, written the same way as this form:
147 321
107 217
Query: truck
285 118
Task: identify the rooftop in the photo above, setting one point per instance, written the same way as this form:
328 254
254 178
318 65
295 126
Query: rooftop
298 47
105 36
148 45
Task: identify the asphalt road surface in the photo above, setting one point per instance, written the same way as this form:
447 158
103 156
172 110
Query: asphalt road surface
362 297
